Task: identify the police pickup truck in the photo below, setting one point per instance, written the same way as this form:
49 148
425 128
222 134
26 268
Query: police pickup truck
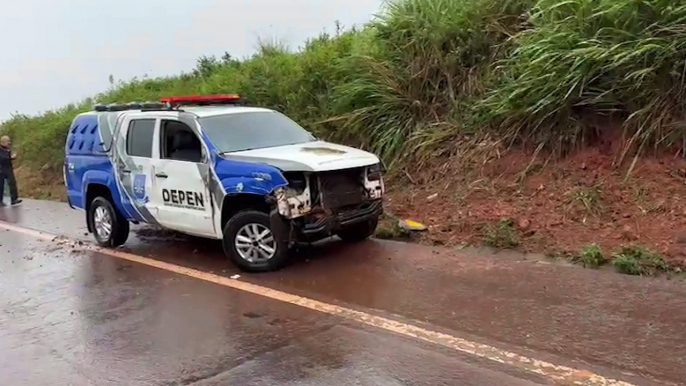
210 166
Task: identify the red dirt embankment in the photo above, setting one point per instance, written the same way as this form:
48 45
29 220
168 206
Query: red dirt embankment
557 206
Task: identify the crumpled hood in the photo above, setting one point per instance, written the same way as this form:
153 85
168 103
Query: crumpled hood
311 156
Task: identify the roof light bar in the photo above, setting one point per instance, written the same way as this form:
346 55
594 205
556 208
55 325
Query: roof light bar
117 107
114 107
151 105
173 102
202 100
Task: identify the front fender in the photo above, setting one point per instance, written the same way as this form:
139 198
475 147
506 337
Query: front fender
233 185
248 177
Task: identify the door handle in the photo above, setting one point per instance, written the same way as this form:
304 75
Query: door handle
127 171
161 175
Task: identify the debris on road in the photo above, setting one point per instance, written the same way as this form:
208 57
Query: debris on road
411 225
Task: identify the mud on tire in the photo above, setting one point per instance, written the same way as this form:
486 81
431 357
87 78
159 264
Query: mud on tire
240 228
119 231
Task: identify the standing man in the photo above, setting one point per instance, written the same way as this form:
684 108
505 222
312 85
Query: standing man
6 170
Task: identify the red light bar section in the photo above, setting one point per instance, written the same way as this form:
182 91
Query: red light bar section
200 99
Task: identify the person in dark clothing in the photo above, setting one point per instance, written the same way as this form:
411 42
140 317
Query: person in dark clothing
7 171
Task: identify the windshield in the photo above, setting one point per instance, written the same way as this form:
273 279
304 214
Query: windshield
253 130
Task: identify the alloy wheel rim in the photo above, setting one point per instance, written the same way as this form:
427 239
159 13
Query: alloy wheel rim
255 243
102 220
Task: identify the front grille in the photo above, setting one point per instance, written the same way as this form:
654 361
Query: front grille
341 188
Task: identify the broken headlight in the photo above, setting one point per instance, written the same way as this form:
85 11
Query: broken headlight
375 172
296 181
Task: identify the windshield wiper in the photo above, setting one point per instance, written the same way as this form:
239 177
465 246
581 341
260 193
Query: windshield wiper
236 151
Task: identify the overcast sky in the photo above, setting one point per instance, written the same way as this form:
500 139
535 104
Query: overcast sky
60 51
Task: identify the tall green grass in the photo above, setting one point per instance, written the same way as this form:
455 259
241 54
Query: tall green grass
430 60
581 58
424 73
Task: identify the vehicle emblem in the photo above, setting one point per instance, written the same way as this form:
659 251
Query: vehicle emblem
239 187
262 176
139 188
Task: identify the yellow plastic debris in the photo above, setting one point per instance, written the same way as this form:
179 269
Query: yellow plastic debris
412 225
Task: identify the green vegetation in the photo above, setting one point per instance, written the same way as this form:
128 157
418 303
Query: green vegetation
392 231
384 233
582 57
426 76
502 234
390 228
639 261
588 199
592 256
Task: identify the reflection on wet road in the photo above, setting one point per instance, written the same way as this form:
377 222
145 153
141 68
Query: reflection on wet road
90 318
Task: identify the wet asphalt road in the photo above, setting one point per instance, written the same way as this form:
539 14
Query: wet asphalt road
74 317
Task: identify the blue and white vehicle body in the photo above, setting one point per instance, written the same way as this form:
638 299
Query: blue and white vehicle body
192 169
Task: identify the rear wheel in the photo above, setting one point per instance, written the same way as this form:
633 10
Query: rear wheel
250 243
109 227
358 232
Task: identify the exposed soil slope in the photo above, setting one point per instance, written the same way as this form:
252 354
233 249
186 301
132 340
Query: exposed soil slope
556 207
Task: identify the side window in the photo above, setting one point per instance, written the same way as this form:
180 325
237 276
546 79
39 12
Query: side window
178 142
139 138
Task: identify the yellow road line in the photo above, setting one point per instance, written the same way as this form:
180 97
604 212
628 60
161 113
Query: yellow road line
557 373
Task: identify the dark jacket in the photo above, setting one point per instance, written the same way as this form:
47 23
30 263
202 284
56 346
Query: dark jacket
5 159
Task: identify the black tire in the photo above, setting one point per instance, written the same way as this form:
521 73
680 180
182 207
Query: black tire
235 225
358 232
120 227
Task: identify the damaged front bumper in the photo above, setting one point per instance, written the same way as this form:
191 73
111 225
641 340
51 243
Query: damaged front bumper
316 226
313 226
317 205
327 191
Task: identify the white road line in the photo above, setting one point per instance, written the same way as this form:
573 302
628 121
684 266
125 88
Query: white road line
556 373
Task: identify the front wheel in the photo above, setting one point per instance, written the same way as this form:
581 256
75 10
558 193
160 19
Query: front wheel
358 232
110 229
250 243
